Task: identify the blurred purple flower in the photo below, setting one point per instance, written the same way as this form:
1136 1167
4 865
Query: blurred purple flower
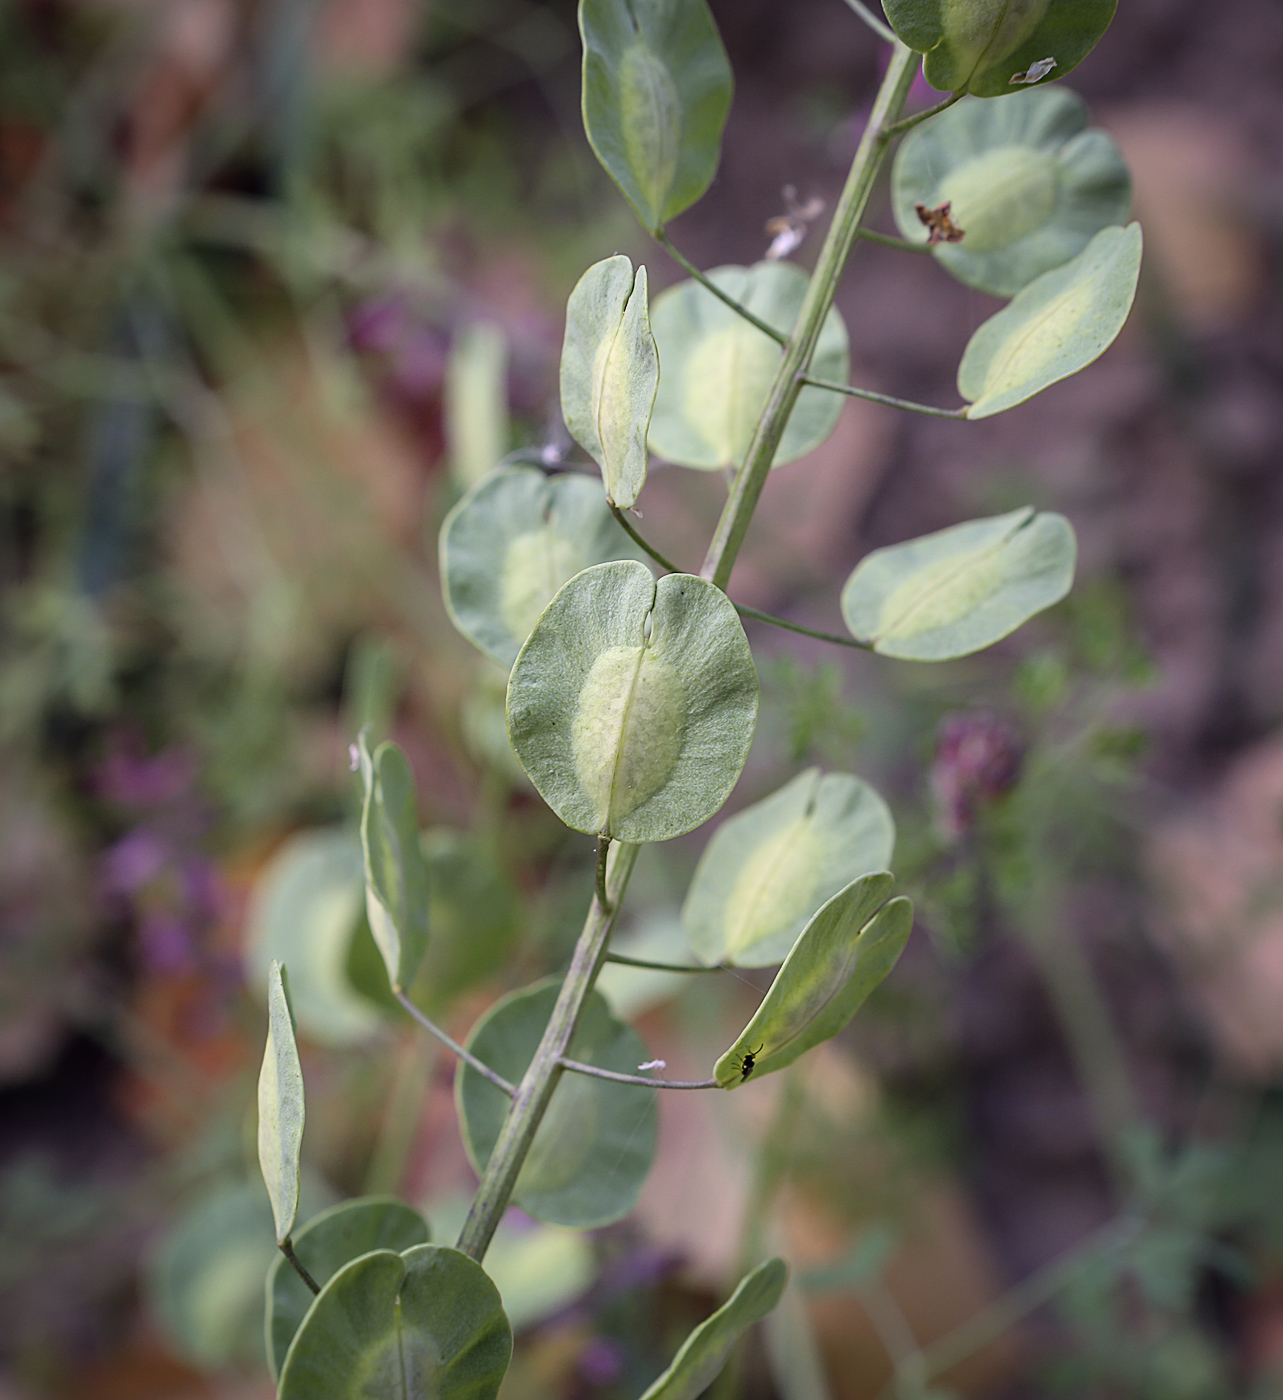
134 861
414 352
977 759
377 324
126 778
602 1361
165 943
202 890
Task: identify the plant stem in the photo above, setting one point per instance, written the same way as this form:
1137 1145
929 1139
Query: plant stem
744 611
874 397
450 1043
924 116
662 238
991 1322
797 627
579 1067
888 241
287 1249
787 384
545 1069
628 528
400 1126
656 966
770 1170
881 30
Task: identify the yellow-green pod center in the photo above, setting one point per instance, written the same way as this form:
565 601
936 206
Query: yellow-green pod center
651 119
627 732
535 567
775 888
1001 196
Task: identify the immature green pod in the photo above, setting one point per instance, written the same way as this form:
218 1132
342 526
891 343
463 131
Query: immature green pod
396 875
424 1322
280 1106
657 88
632 704
957 591
704 1352
992 47
327 1243
609 373
850 944
593 1149
1027 181
1054 327
770 867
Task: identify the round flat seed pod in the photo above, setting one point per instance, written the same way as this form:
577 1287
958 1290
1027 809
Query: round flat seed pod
770 867
1027 184
717 367
633 703
426 1324
511 543
851 943
1054 327
656 91
996 47
959 590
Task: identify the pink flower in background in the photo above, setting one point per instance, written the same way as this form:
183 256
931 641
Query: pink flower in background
977 759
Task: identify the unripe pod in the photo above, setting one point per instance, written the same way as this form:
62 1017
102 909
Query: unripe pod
990 47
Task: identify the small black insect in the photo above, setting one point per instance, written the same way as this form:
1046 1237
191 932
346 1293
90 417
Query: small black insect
747 1063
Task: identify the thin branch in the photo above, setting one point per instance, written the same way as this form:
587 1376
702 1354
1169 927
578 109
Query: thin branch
1012 1307
881 30
744 611
887 241
889 399
631 532
450 1043
918 118
661 237
624 961
797 627
287 1249
578 1067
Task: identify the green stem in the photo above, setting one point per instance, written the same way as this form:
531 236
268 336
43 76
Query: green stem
287 1249
545 1069
774 1155
615 1077
1088 1026
925 116
874 397
400 1125
627 526
797 627
705 281
796 360
656 966
991 1322
887 241
881 30
450 1043
744 611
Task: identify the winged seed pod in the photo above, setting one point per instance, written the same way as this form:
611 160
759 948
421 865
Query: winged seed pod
280 1106
610 372
993 47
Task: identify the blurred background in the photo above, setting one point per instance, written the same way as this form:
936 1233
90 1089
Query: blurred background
278 280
